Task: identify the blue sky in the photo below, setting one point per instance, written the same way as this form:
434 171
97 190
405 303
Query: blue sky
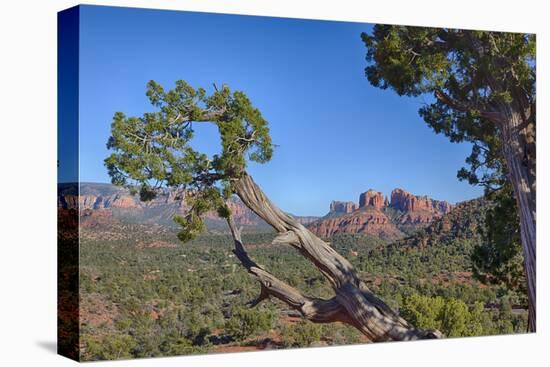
337 135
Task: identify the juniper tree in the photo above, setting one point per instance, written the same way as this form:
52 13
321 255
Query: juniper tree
483 88
153 153
498 259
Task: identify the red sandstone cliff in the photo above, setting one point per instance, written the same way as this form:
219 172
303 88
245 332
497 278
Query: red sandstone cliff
367 220
372 216
371 198
417 209
342 207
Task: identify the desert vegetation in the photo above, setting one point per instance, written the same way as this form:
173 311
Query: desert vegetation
145 301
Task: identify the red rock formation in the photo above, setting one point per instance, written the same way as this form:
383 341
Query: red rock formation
100 204
96 217
371 198
305 220
342 207
443 206
368 220
74 202
122 202
88 201
400 199
417 209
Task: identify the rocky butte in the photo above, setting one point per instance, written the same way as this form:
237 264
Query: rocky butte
342 207
417 209
372 198
379 216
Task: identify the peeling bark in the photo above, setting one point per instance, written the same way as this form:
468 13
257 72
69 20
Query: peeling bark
516 125
353 303
520 154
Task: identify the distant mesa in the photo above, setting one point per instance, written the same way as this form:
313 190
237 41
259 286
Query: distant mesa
379 216
101 204
342 207
376 214
417 209
405 201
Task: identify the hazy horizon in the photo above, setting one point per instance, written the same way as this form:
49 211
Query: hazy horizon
329 200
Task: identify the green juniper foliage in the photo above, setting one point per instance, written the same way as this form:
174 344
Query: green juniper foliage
473 76
248 322
153 153
498 258
452 316
467 72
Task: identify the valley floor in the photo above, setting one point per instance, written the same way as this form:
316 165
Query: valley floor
144 294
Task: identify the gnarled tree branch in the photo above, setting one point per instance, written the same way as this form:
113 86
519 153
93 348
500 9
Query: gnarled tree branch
314 309
464 106
353 303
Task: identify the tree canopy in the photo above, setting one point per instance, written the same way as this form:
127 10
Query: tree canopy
154 151
469 73
484 92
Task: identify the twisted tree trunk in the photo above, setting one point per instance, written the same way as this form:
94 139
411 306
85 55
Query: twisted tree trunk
519 150
352 304
516 124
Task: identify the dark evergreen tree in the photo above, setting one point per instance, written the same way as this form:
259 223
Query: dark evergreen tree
483 87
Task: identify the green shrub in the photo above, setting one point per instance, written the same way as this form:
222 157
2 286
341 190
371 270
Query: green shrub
110 347
423 312
452 316
247 322
302 334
